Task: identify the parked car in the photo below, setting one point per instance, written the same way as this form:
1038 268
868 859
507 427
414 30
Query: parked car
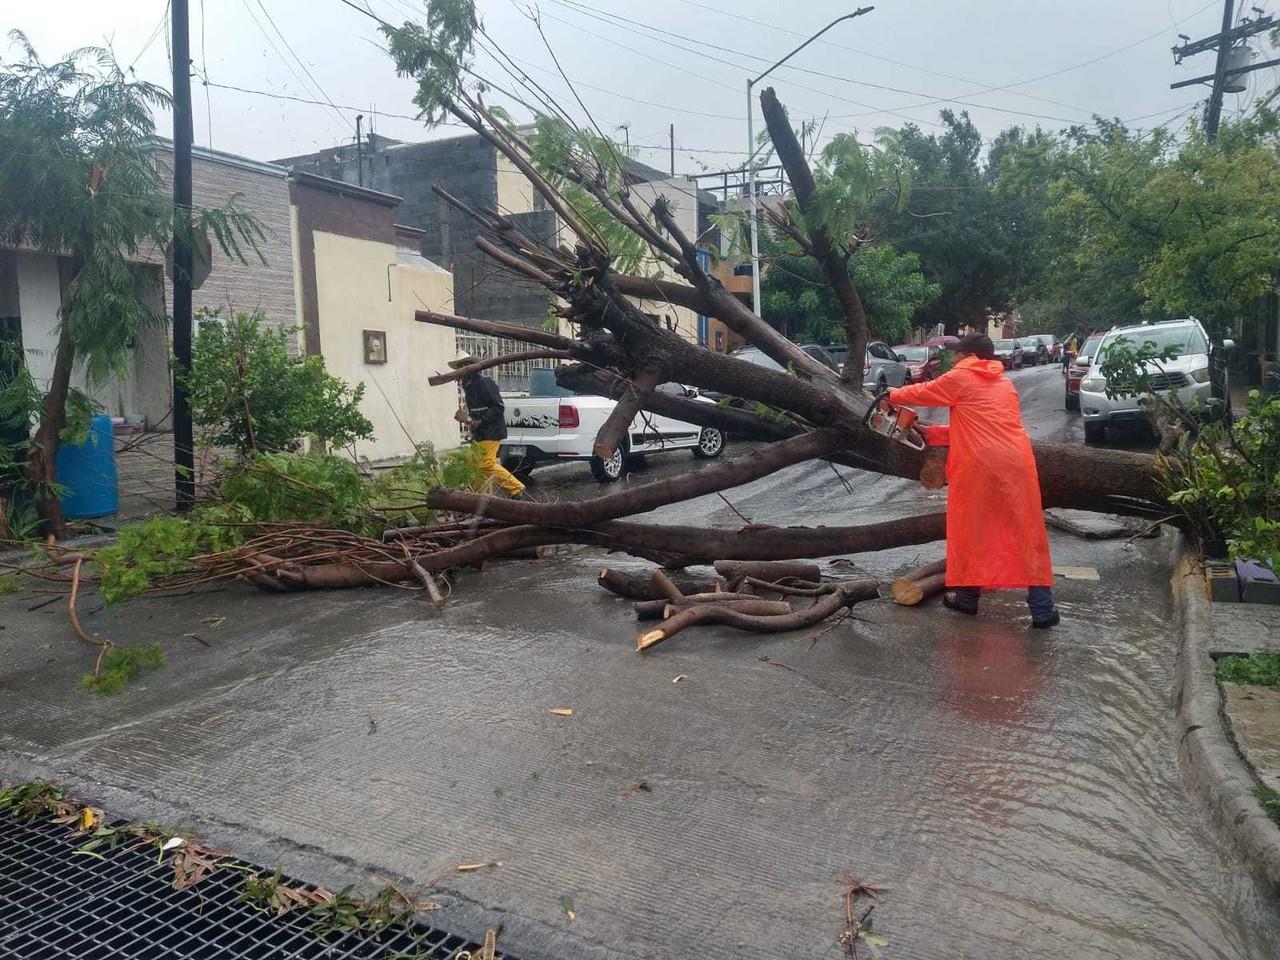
1009 352
554 424
882 368
1077 369
1034 351
761 359
1186 377
923 363
943 342
837 353
1051 344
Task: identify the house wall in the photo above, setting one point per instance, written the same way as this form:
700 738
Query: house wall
352 296
145 388
468 167
261 190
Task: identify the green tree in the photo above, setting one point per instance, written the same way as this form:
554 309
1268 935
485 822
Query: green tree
800 303
78 179
249 394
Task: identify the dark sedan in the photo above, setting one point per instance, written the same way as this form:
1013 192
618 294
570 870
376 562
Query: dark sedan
1034 351
1009 352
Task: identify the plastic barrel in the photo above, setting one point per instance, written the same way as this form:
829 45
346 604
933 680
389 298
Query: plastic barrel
87 471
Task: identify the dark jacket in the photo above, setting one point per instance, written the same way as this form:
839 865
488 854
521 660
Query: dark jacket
484 403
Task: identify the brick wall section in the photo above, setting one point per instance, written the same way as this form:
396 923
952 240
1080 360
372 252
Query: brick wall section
233 285
465 167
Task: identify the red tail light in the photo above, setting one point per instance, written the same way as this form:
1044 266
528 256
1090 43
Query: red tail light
866 369
568 416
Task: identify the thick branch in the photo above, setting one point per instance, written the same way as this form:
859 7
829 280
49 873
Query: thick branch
833 264
732 312
494 328
666 291
481 365
616 425
585 513
517 263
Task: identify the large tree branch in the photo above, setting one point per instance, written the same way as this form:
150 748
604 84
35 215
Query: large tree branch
618 422
833 264
481 365
495 328
584 513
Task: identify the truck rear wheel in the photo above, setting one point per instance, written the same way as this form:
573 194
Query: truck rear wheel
710 443
611 470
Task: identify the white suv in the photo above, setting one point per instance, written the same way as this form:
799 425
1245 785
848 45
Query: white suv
1186 376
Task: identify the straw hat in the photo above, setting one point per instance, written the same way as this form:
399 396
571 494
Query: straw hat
463 361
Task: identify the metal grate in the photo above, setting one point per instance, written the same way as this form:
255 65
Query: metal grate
56 904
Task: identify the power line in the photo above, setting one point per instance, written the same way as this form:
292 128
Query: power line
164 21
305 69
297 76
873 56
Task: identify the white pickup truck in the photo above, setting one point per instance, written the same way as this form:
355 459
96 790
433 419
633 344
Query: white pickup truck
555 424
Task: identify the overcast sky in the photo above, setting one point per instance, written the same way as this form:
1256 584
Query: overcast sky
679 61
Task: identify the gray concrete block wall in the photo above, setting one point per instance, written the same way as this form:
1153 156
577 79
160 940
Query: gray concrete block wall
466 168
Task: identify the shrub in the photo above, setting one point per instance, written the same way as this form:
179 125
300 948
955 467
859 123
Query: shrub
1226 482
247 393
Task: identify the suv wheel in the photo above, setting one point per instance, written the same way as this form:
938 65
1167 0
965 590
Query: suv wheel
710 444
611 470
1073 402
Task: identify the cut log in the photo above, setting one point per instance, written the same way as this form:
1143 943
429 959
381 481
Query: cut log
639 586
909 593
752 606
854 592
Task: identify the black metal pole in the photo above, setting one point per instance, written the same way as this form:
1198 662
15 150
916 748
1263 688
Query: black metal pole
359 151
183 435
1213 115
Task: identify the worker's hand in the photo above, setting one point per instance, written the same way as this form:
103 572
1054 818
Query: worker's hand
885 405
475 424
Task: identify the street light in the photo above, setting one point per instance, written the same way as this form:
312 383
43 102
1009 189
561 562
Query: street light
751 154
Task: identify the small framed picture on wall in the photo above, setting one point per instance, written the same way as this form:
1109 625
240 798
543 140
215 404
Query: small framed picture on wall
375 346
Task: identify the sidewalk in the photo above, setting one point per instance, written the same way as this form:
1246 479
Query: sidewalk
1230 748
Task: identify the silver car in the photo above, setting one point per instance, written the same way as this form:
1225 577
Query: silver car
1186 377
882 368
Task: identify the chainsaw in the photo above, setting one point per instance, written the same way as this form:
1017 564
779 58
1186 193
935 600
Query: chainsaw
896 423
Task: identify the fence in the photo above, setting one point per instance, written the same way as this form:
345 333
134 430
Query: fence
511 377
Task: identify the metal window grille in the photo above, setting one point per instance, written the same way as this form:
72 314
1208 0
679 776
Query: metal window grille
56 904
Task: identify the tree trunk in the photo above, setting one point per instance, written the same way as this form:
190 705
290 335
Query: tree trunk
42 472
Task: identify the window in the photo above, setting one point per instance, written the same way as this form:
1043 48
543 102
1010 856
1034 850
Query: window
719 341
880 351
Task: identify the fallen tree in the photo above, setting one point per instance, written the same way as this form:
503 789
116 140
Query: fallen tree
612 347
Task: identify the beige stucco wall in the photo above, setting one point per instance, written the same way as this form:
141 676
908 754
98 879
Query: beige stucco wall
352 279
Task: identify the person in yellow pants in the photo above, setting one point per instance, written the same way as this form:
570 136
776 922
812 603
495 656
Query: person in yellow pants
488 426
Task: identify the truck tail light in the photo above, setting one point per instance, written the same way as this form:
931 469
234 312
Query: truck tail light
866 369
568 416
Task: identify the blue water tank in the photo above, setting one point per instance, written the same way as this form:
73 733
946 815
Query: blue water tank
87 471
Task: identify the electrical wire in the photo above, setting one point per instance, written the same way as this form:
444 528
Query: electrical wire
160 27
283 59
204 65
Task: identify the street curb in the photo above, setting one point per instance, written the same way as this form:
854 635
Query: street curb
1210 763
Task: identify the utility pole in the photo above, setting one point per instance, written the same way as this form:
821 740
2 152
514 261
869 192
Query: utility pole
673 149
359 151
1225 42
183 434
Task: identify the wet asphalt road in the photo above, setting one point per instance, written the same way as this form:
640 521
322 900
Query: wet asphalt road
1014 792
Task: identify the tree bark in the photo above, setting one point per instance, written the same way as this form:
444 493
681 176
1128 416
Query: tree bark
42 472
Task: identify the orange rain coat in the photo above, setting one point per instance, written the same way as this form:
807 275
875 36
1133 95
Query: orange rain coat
995 524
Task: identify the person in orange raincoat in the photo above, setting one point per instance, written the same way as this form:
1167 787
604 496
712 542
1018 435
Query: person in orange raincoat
996 537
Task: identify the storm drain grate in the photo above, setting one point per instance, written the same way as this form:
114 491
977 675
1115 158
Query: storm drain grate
56 904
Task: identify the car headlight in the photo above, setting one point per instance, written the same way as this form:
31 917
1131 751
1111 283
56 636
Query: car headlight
1094 384
1201 375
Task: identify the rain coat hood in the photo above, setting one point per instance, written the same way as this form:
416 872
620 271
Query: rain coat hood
995 524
